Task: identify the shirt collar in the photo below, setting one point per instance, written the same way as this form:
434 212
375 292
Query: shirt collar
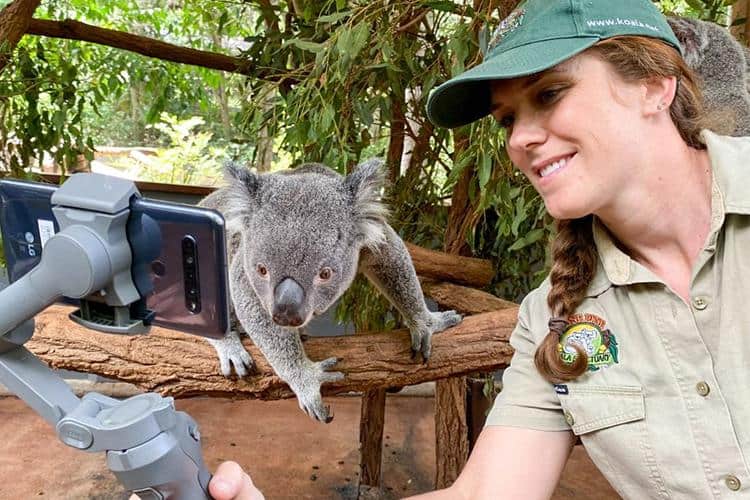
730 193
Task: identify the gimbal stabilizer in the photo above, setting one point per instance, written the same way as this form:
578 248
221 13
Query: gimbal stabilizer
153 449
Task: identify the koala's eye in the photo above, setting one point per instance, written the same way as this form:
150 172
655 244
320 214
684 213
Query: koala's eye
261 269
325 273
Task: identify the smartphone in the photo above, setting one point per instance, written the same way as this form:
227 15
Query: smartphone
185 287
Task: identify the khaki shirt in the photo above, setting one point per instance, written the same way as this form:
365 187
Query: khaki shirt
666 414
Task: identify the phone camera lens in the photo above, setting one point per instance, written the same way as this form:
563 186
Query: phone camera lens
189 260
193 306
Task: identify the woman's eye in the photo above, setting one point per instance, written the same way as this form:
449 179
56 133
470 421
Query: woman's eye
261 269
549 96
325 273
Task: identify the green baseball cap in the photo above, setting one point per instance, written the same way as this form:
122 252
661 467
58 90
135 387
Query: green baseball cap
536 36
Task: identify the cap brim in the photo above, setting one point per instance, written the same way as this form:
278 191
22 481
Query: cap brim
466 98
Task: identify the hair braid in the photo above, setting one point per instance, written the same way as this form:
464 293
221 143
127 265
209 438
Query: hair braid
574 265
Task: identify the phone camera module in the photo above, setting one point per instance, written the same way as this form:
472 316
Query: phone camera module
191 274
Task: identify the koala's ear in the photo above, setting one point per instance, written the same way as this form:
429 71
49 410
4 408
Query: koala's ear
693 38
241 195
365 187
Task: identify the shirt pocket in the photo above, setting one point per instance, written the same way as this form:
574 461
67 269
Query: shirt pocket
591 408
611 423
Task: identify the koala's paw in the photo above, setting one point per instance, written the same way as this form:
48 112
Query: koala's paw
421 331
309 398
232 354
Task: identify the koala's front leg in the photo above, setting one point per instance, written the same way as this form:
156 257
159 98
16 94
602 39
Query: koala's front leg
283 350
232 354
391 270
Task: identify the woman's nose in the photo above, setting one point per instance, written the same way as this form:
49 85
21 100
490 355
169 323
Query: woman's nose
526 133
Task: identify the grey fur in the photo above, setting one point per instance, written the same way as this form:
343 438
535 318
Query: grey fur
721 63
295 223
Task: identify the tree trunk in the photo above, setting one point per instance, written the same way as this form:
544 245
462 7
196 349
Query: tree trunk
741 31
14 21
181 365
397 135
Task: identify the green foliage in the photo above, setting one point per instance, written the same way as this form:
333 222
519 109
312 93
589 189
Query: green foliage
57 96
189 158
708 10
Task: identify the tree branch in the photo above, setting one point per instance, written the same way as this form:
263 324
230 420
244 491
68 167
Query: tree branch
182 365
14 21
76 30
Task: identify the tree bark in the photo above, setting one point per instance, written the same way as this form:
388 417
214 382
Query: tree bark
451 430
371 423
454 268
181 365
14 21
741 31
397 135
462 299
76 30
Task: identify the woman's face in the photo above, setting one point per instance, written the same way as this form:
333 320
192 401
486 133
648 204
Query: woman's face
572 130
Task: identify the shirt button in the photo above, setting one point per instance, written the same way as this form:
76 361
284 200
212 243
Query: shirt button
569 418
702 388
732 482
700 303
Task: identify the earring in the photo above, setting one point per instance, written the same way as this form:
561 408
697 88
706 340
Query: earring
661 106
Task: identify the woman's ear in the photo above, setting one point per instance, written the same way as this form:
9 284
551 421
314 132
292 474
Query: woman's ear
658 94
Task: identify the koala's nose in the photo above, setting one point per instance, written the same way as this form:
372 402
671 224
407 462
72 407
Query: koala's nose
287 303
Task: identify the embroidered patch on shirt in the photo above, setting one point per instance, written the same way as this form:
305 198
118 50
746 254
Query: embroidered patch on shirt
588 331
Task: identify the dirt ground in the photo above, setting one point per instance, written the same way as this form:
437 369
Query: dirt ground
289 455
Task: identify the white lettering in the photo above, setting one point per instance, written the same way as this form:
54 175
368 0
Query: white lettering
620 22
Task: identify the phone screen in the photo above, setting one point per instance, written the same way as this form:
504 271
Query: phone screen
188 279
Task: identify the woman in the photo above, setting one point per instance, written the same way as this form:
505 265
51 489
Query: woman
636 344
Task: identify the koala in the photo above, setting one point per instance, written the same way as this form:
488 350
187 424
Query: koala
296 240
584 338
721 63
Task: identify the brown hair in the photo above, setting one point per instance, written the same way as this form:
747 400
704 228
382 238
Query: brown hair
574 256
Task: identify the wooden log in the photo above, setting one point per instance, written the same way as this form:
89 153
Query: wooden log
463 299
181 365
451 430
454 268
371 423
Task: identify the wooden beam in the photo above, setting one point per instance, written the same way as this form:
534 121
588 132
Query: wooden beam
371 423
181 365
451 430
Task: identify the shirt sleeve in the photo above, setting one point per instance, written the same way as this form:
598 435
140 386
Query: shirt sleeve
526 400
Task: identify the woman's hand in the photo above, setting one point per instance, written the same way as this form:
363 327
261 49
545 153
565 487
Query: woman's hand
230 482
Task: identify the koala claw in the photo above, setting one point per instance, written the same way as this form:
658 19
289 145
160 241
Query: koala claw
232 354
422 330
309 398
